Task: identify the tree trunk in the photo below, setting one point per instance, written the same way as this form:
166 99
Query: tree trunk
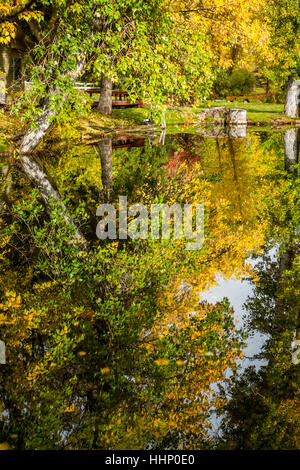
285 261
39 178
291 147
4 171
105 151
43 123
291 107
224 116
237 117
34 135
237 132
105 99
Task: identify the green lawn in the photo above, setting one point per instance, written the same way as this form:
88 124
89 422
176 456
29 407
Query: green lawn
256 112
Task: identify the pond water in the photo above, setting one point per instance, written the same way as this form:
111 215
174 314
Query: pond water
122 343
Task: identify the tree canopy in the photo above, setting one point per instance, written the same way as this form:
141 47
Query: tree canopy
161 51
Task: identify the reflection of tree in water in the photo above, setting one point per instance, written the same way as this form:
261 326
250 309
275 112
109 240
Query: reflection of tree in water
105 151
264 407
291 139
81 371
92 360
137 166
187 151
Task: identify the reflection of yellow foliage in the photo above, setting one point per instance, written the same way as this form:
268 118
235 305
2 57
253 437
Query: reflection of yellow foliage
162 362
70 409
180 363
234 229
234 226
3 244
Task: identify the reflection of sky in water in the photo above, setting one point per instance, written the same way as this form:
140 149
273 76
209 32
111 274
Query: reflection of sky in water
237 292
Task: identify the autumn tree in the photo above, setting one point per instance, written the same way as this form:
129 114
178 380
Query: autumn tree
282 66
134 41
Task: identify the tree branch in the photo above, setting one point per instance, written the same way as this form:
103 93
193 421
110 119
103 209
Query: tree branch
13 16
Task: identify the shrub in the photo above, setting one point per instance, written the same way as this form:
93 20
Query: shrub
238 82
242 81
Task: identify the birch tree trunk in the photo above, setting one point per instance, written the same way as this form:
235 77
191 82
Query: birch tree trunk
291 107
41 126
32 138
41 181
291 147
105 99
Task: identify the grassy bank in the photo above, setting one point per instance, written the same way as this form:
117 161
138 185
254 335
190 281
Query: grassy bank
258 114
256 111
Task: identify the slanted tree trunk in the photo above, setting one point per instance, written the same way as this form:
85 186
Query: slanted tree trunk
291 107
32 137
34 134
291 147
41 181
105 99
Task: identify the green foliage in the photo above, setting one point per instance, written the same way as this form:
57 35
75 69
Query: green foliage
283 18
111 38
84 316
238 82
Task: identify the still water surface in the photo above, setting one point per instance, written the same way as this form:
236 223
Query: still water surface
132 344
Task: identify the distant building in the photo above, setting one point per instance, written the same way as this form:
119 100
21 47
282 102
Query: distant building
11 70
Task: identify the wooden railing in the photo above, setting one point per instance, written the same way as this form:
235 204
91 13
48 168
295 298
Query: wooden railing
119 97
